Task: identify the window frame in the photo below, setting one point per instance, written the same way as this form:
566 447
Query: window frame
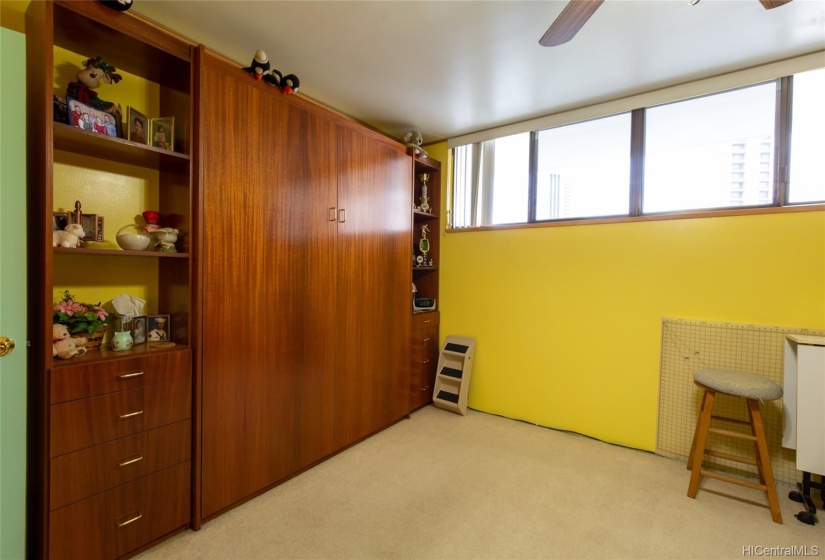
778 190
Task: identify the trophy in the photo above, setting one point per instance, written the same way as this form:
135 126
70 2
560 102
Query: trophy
423 246
425 200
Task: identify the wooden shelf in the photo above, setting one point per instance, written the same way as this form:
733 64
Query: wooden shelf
119 253
427 268
73 139
105 355
420 214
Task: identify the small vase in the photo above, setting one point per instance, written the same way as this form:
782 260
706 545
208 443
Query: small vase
122 340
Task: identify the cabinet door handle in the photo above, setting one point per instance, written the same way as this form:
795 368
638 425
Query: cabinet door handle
425 339
126 522
331 214
130 461
425 361
342 215
128 375
130 414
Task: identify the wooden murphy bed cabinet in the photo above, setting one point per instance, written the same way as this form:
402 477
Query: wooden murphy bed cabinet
109 433
306 284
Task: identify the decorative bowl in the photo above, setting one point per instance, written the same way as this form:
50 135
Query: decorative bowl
133 238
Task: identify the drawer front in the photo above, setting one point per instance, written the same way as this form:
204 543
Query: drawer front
424 360
79 424
78 475
89 380
423 320
116 522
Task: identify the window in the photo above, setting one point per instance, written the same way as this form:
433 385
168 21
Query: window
711 152
806 182
583 169
691 145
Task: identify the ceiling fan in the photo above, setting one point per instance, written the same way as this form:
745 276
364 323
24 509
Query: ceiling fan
577 12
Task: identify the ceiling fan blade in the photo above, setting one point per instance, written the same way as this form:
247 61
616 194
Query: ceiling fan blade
771 4
572 18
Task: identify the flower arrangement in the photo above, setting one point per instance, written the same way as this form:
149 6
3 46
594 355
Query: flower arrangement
80 317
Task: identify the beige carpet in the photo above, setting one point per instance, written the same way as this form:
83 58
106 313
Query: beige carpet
443 486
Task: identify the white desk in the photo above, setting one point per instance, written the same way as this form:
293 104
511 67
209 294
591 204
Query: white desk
804 401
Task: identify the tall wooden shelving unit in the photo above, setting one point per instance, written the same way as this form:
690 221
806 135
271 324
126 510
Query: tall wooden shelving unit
424 338
110 432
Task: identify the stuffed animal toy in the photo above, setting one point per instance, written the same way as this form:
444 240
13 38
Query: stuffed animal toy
94 70
273 78
118 5
259 66
70 236
290 84
413 139
64 346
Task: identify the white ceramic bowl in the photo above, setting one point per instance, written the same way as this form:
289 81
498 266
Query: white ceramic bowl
133 238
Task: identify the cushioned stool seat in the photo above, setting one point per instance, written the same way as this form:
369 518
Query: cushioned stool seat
754 389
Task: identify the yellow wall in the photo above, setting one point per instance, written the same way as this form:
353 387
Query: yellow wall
568 319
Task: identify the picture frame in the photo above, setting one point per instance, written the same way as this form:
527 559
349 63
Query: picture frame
162 133
138 126
140 333
94 120
92 224
160 328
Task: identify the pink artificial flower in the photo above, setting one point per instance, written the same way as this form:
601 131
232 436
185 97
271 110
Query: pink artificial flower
69 307
101 313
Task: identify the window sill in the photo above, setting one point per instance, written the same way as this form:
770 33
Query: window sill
720 213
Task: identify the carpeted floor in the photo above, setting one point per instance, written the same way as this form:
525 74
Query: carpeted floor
442 486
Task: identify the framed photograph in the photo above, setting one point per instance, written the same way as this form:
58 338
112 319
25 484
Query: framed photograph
94 120
137 124
60 220
163 133
160 328
139 329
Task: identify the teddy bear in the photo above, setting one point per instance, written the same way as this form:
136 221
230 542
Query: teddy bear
413 139
70 236
94 70
64 346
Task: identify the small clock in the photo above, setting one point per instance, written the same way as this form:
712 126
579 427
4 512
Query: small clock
423 304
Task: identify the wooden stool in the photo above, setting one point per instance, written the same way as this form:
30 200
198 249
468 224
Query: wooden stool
755 389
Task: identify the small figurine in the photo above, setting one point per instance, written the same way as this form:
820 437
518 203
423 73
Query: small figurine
70 236
63 345
117 5
413 139
425 200
165 238
94 70
290 84
273 78
259 66
152 218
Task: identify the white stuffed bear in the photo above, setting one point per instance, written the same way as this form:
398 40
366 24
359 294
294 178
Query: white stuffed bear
70 236
413 139
64 346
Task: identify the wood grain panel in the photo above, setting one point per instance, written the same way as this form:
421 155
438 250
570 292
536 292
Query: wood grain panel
91 529
372 377
82 423
268 289
88 380
76 476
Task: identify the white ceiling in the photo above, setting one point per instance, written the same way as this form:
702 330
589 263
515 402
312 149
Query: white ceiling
450 68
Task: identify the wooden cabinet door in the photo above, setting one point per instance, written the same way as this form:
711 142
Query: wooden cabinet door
374 290
269 196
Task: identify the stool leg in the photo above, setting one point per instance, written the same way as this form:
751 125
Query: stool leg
756 448
696 431
765 459
701 441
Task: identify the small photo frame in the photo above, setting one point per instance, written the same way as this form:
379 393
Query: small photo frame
137 124
92 224
94 120
162 133
139 330
160 328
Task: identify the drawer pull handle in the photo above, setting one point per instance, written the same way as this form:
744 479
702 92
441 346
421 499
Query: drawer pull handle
425 339
128 375
130 414
428 320
128 521
425 361
130 461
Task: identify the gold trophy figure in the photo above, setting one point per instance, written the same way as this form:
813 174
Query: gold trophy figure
424 245
425 200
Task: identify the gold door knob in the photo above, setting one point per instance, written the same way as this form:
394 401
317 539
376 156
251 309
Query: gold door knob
6 346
